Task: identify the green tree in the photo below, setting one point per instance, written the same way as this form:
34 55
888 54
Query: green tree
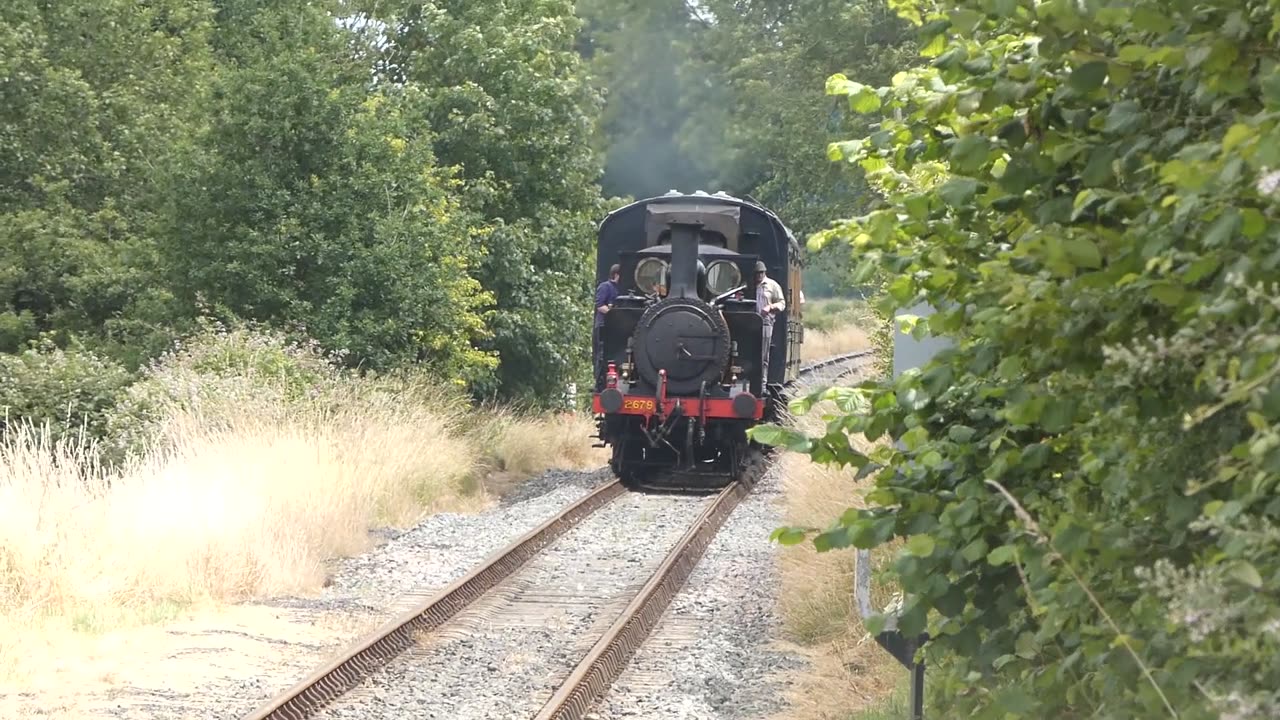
769 120
641 57
93 97
504 91
1086 482
313 204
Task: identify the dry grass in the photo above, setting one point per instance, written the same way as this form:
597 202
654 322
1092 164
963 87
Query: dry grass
819 344
245 465
246 508
526 444
850 672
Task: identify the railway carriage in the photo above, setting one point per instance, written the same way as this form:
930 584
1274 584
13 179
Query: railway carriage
683 342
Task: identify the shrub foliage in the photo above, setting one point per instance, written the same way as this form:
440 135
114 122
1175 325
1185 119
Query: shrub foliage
1087 481
68 390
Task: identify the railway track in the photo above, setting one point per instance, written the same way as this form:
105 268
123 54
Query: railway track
592 676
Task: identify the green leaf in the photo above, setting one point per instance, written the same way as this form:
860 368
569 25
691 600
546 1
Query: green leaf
876 623
788 535
1222 229
1148 19
1124 117
1235 135
958 192
975 550
1246 573
1133 53
1200 269
864 101
920 545
1004 8
1002 555
934 47
1015 701
969 153
1088 77
1058 415
833 540
1168 293
1253 223
1098 171
952 602
1082 252
780 437
851 150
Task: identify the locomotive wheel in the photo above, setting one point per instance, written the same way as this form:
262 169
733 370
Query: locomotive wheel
687 338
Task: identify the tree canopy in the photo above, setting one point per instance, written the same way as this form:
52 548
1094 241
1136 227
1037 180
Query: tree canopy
412 185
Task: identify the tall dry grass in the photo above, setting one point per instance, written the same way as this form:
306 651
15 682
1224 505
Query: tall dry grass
248 464
252 506
524 444
821 344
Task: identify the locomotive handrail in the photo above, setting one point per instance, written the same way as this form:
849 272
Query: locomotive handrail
725 295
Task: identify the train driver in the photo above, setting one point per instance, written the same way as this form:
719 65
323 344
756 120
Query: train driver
769 302
606 296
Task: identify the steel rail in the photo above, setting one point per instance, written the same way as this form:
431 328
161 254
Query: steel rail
833 360
609 656
596 673
314 693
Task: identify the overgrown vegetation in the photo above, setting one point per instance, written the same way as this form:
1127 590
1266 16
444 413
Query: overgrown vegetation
1086 483
726 95
241 462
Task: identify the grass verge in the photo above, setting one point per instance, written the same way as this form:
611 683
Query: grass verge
849 672
248 464
834 327
895 706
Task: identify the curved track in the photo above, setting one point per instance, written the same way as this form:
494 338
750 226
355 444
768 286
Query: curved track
593 675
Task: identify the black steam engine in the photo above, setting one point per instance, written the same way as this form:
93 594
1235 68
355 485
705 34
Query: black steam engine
684 374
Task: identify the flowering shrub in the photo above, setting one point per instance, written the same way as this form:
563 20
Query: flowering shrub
1086 483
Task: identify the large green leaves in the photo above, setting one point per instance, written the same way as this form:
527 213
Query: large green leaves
1085 483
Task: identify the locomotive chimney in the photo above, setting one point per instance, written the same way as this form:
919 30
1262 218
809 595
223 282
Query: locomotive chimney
684 260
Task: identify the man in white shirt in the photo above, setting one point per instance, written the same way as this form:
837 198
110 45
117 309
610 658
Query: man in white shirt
769 302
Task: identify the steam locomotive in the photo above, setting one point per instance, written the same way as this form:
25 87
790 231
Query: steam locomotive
684 376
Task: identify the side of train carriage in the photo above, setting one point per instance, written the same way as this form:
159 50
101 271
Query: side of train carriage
683 342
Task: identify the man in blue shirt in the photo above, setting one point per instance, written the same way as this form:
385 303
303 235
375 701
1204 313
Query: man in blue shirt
606 295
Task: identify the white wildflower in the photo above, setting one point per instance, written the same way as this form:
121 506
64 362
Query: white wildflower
1269 182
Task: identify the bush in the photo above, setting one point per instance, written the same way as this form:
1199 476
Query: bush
218 375
70 390
1087 482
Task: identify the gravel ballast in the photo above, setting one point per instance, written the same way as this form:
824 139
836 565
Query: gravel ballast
505 655
710 656
406 568
714 654
446 546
